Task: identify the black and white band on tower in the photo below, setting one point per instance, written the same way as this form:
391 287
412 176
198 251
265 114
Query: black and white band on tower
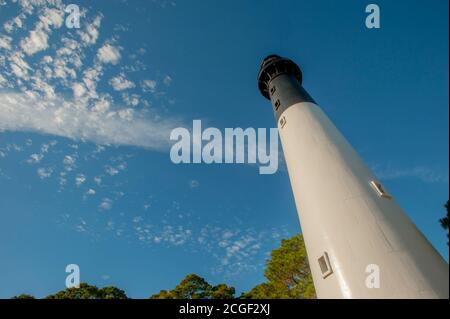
360 243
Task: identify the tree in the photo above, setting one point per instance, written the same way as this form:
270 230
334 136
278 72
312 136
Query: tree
163 294
112 293
261 291
222 291
288 273
86 291
195 287
444 220
23 296
192 287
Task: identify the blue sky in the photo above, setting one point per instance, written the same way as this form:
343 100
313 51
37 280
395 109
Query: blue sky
85 173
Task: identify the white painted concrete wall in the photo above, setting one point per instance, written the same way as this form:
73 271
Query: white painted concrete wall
342 214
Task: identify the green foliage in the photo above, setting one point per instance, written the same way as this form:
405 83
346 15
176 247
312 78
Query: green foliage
192 287
86 291
222 291
195 287
23 296
112 293
261 291
163 294
288 274
444 220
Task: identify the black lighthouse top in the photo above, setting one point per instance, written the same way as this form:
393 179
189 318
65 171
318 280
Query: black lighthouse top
273 66
280 81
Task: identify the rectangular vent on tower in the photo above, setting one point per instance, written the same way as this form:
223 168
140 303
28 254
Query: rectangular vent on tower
277 104
325 266
380 190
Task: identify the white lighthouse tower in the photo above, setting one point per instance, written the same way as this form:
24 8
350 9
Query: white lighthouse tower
360 244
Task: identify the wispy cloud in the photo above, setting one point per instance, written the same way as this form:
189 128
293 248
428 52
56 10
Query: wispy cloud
80 179
106 204
149 85
194 184
81 226
67 118
35 158
44 172
239 250
90 192
423 173
49 82
109 54
120 83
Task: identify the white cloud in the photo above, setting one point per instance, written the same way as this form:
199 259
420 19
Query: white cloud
90 80
90 35
35 158
14 23
98 180
137 219
19 66
90 192
149 85
105 277
5 42
80 179
3 82
423 173
44 172
29 112
53 17
170 235
43 87
34 98
78 90
69 162
82 227
108 54
120 83
37 39
35 42
106 204
227 234
102 105
238 250
46 146
130 100
126 114
167 80
29 5
112 170
194 183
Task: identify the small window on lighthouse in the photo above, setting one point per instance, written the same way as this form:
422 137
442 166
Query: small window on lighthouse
380 190
282 122
277 104
325 266
272 90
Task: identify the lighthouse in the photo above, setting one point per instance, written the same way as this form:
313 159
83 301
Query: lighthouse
360 243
